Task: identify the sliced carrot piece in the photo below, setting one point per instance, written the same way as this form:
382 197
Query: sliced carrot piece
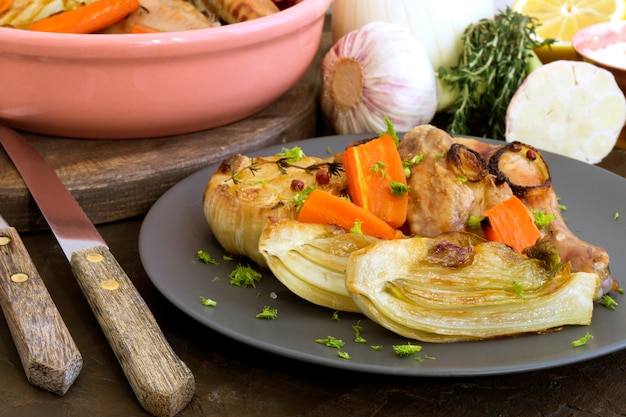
323 207
372 170
511 223
5 5
141 28
88 18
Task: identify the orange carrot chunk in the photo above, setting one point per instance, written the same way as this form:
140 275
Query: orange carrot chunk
5 5
376 178
141 28
88 18
511 223
322 207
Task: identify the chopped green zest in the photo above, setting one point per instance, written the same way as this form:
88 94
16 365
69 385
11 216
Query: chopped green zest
268 313
461 179
331 341
298 199
413 161
227 258
473 222
259 182
608 302
343 355
519 290
582 341
562 207
292 155
207 302
391 130
398 189
329 151
244 276
356 227
335 316
379 167
376 347
205 257
406 350
216 278
620 290
616 216
357 333
542 219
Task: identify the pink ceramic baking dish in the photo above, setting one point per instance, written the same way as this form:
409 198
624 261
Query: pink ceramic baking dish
149 85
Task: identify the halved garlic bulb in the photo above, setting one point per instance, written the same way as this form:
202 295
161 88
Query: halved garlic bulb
375 71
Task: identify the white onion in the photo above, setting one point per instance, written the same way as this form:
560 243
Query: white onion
376 71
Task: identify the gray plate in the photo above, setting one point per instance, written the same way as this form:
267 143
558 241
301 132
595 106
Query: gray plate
175 229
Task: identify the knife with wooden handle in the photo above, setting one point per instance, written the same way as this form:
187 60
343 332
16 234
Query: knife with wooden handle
45 346
162 382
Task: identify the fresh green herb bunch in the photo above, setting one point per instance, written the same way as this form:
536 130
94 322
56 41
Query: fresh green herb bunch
497 56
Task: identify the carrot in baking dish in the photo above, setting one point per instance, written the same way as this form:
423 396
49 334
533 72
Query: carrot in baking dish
376 179
5 5
88 18
511 223
141 28
325 208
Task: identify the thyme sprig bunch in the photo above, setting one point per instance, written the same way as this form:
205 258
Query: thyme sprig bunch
492 65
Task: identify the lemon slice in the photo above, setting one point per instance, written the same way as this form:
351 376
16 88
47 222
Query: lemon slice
572 108
561 19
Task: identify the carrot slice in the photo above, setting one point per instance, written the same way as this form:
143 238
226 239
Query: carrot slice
323 207
88 18
5 5
510 222
372 169
141 28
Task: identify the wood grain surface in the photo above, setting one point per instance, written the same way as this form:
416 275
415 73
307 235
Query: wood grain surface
162 383
47 351
119 179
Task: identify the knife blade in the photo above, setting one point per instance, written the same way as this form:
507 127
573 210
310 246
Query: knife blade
161 381
45 346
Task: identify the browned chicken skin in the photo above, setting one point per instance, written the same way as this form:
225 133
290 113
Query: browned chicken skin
445 192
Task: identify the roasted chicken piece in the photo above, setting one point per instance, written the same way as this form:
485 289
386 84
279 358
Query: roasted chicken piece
447 190
245 192
234 11
165 16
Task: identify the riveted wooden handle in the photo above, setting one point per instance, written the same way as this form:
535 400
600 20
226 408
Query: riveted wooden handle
162 382
46 348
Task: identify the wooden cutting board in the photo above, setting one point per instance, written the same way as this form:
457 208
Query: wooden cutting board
119 179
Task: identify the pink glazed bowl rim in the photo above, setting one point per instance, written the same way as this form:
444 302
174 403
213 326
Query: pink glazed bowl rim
79 47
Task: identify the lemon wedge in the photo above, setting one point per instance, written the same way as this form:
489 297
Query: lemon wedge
572 108
561 19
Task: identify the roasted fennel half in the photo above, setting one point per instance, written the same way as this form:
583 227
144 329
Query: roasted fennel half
457 288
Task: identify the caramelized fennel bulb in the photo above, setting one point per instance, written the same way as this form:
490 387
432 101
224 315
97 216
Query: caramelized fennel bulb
450 289
244 192
310 260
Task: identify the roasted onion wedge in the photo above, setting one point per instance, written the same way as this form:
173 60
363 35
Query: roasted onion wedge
310 260
441 290
244 192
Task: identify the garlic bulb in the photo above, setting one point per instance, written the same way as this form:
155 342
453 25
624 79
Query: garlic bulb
378 70
438 25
